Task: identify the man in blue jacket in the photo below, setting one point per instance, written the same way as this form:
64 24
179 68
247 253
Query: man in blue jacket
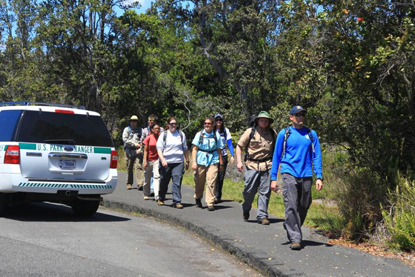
298 152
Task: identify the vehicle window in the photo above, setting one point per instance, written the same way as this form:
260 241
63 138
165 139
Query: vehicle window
63 128
8 123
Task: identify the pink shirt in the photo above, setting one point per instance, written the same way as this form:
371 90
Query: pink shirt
151 142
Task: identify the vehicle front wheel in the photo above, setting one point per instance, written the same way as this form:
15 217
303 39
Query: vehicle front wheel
85 208
3 202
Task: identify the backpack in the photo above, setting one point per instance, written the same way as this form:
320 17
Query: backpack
287 134
253 130
165 137
201 141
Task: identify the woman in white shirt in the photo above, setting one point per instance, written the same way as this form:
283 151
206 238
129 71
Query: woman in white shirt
172 152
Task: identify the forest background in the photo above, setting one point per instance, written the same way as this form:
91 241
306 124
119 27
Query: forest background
350 62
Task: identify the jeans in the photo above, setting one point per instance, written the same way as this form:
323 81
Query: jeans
175 173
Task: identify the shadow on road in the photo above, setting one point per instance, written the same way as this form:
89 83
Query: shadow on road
50 212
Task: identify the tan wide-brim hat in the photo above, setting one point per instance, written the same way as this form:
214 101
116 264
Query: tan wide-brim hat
134 118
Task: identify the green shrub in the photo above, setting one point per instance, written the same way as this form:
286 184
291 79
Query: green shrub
399 218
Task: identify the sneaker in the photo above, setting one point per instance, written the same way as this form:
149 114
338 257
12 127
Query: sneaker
178 206
210 208
160 202
264 221
129 187
146 197
246 215
199 203
295 246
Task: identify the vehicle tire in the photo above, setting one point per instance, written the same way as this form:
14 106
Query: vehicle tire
85 208
3 202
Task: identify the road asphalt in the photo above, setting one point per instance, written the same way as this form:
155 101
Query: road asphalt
264 248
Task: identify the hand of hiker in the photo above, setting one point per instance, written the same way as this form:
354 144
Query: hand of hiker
319 184
274 186
194 166
240 167
232 160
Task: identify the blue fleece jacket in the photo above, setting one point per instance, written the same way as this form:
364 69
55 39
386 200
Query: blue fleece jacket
299 159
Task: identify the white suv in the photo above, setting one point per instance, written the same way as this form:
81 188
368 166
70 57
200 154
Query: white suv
56 153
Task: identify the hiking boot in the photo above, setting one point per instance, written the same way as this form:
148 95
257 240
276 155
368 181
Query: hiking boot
146 197
246 215
210 208
160 202
129 187
178 206
295 246
199 203
139 187
264 221
217 201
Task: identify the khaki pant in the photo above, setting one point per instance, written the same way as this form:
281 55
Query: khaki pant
209 175
136 164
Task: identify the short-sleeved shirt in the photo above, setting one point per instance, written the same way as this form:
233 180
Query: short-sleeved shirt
151 142
208 144
261 147
173 149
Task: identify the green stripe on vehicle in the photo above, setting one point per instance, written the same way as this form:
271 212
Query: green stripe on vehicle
102 150
27 146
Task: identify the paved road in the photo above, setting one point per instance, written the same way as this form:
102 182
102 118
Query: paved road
263 247
48 240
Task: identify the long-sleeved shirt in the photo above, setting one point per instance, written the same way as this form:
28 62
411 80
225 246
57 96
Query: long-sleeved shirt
298 159
227 140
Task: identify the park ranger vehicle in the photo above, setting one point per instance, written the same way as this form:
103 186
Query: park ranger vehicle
55 153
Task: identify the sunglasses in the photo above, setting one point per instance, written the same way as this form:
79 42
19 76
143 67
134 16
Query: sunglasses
299 114
173 124
208 123
218 119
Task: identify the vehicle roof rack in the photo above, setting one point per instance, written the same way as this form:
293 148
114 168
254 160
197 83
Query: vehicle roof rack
29 103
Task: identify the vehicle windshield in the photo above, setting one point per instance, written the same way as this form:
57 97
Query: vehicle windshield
63 128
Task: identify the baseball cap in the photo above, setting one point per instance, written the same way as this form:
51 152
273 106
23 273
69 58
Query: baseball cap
297 109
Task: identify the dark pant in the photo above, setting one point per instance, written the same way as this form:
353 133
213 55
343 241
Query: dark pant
221 177
175 173
297 200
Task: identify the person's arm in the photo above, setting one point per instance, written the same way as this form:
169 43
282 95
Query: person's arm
186 158
243 141
317 161
276 159
159 146
239 163
126 138
145 155
194 154
230 145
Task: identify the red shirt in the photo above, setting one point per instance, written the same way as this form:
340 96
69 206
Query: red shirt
151 142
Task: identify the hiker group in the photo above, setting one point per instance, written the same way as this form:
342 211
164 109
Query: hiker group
161 156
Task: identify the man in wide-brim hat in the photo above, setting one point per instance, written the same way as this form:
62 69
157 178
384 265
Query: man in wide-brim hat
258 142
132 145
